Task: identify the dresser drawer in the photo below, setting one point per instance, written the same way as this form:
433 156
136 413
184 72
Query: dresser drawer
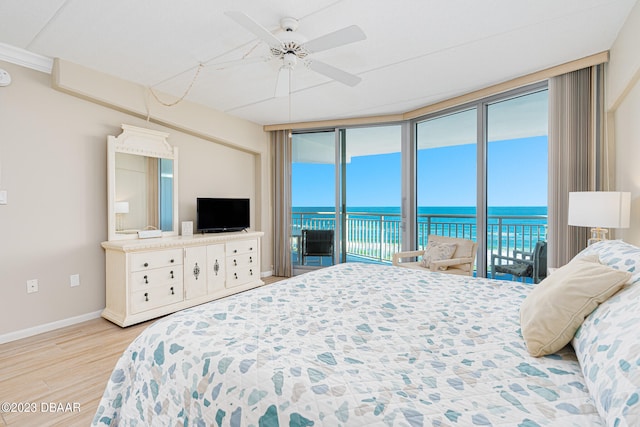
156 277
240 276
142 261
246 260
156 297
242 247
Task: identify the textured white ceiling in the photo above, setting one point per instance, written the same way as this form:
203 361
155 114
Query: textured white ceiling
417 51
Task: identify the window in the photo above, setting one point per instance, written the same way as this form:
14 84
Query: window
482 175
447 176
517 176
477 172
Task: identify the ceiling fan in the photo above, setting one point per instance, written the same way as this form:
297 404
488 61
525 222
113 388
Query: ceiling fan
291 47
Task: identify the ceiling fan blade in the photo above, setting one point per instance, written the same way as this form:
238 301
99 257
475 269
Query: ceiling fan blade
255 28
282 84
334 73
337 38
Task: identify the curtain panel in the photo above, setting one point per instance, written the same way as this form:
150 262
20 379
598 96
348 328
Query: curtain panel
281 155
579 157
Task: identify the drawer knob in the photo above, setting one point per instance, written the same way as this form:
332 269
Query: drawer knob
250 272
250 249
250 260
146 264
146 280
146 296
172 292
171 261
235 262
235 275
196 271
216 267
172 274
235 251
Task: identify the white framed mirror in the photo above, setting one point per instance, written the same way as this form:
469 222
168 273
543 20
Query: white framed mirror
142 169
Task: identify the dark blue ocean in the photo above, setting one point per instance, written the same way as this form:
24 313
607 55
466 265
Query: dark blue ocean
435 210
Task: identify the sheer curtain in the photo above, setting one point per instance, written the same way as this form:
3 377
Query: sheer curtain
281 149
578 154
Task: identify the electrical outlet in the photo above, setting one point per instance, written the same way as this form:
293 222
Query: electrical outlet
74 280
32 286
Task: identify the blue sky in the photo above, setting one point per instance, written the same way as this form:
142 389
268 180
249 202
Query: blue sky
446 177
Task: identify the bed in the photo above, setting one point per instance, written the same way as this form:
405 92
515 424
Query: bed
366 345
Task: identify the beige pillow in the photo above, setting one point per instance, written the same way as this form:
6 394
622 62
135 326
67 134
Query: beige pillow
437 251
464 250
552 313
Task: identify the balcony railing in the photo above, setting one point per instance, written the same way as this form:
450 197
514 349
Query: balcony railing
377 236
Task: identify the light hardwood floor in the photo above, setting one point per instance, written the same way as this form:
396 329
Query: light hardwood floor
69 367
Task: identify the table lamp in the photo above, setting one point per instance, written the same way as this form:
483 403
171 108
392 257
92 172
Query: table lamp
599 210
122 208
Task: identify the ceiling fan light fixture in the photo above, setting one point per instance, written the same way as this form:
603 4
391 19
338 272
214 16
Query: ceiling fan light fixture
289 60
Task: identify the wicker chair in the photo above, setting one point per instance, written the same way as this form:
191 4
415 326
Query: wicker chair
460 263
522 264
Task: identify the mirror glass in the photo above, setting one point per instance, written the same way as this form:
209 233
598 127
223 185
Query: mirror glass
142 169
143 193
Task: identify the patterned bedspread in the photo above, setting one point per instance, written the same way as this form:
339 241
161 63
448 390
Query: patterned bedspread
350 345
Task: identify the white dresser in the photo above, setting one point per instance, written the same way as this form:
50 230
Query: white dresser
148 278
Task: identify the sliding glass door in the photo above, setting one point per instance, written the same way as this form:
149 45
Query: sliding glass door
447 176
346 191
313 200
517 171
481 174
371 193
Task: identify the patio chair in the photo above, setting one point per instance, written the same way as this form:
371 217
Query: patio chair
461 262
522 264
317 243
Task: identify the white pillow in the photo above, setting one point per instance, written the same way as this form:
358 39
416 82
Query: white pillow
607 346
616 254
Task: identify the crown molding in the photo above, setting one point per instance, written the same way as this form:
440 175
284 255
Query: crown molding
24 58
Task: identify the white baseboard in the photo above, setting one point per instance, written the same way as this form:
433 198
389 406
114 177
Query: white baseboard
29 332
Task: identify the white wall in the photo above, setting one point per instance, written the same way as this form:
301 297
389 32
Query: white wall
623 103
53 166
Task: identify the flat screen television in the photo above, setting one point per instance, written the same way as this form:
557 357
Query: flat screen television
216 215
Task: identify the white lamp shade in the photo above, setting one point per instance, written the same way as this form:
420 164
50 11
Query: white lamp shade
605 209
122 207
